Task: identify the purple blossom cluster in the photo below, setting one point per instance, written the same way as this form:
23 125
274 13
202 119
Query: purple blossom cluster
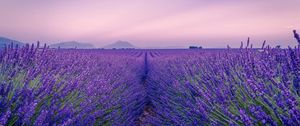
43 86
62 87
243 86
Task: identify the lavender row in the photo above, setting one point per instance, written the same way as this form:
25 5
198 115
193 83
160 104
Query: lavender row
41 86
227 87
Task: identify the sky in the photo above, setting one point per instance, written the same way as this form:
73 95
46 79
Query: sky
152 23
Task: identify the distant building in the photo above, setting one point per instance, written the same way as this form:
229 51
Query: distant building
195 47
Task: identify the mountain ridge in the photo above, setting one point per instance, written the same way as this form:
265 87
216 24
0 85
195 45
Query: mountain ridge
72 44
120 45
7 41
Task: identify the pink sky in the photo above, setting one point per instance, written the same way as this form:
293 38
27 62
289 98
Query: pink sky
152 23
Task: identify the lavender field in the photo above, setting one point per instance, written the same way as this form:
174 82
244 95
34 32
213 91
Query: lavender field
149 63
246 86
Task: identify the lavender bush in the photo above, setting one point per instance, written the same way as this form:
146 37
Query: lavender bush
246 86
41 86
228 87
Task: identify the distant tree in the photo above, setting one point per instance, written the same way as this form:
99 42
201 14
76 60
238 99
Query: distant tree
263 45
228 47
200 47
248 42
242 45
278 46
296 35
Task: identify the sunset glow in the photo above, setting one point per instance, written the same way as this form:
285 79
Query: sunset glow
152 23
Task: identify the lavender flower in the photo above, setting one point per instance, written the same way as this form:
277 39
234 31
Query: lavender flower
4 117
41 118
245 118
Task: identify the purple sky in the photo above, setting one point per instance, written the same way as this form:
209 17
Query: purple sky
152 23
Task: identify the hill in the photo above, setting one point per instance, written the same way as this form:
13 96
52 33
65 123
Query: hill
119 45
6 41
72 44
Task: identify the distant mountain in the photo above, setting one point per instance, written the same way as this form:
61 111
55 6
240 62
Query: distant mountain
7 41
72 44
119 45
